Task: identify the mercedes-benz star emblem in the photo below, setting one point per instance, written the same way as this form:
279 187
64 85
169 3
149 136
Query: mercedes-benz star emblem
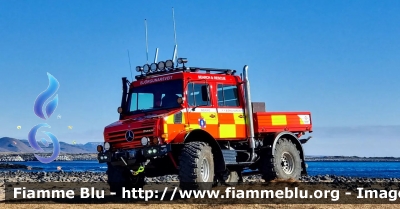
129 136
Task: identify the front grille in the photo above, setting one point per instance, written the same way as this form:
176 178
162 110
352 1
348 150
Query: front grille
138 132
148 123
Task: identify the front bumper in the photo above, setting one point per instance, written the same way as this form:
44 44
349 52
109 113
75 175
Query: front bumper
133 155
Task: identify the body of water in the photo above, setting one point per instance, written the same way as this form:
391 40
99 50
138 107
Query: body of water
353 169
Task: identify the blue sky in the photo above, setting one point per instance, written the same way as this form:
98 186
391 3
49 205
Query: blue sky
338 59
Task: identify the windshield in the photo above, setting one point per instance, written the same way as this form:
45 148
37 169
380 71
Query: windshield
156 96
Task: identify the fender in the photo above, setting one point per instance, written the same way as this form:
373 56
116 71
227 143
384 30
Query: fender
204 136
296 141
180 138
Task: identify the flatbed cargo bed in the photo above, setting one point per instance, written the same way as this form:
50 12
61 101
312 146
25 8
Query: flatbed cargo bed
272 122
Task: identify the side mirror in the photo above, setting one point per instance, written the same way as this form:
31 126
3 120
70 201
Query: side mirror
119 110
204 93
179 100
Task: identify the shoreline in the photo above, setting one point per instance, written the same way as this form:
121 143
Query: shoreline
7 157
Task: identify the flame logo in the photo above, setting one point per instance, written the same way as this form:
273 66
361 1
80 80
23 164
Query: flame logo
35 145
45 95
38 109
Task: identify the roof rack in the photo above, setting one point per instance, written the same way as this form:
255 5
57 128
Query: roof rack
167 67
209 70
187 69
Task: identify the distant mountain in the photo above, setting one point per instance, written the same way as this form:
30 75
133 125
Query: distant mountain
91 146
8 144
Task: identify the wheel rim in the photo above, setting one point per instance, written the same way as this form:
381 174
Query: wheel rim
287 162
205 171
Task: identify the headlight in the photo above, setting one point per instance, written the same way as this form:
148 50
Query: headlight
107 146
144 141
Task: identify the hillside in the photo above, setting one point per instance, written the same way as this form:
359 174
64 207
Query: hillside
12 145
8 144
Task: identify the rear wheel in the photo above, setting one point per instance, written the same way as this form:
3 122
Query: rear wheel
196 166
284 164
119 177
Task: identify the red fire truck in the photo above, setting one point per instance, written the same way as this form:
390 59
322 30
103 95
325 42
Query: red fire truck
200 124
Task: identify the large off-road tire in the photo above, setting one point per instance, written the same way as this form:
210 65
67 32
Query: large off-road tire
196 166
119 177
284 164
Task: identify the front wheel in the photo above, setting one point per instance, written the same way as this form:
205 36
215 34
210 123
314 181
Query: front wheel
196 166
284 164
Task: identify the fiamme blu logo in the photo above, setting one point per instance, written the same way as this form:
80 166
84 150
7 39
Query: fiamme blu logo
38 108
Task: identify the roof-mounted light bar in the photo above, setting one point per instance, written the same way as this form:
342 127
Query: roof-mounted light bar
139 69
153 67
182 60
168 66
161 66
146 68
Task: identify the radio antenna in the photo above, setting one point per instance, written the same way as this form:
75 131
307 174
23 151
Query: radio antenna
147 46
176 44
156 56
130 67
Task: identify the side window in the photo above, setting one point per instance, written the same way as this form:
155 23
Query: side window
227 95
198 94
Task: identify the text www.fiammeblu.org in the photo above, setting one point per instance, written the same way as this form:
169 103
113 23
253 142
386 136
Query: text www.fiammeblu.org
287 193
231 192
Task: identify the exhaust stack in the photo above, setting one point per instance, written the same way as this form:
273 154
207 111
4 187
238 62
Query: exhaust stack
124 95
249 113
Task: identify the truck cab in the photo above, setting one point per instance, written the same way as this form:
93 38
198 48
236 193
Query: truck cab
200 124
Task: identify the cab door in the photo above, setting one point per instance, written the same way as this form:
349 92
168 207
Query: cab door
200 112
232 124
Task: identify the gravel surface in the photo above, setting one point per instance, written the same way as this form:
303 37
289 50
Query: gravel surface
87 176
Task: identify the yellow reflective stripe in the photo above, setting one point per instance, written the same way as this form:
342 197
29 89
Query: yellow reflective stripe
238 120
165 128
170 119
278 120
184 118
227 130
194 126
209 120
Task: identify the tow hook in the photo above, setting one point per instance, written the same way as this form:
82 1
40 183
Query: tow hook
135 173
303 141
140 169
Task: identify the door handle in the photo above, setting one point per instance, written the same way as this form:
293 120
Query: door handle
240 116
212 116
